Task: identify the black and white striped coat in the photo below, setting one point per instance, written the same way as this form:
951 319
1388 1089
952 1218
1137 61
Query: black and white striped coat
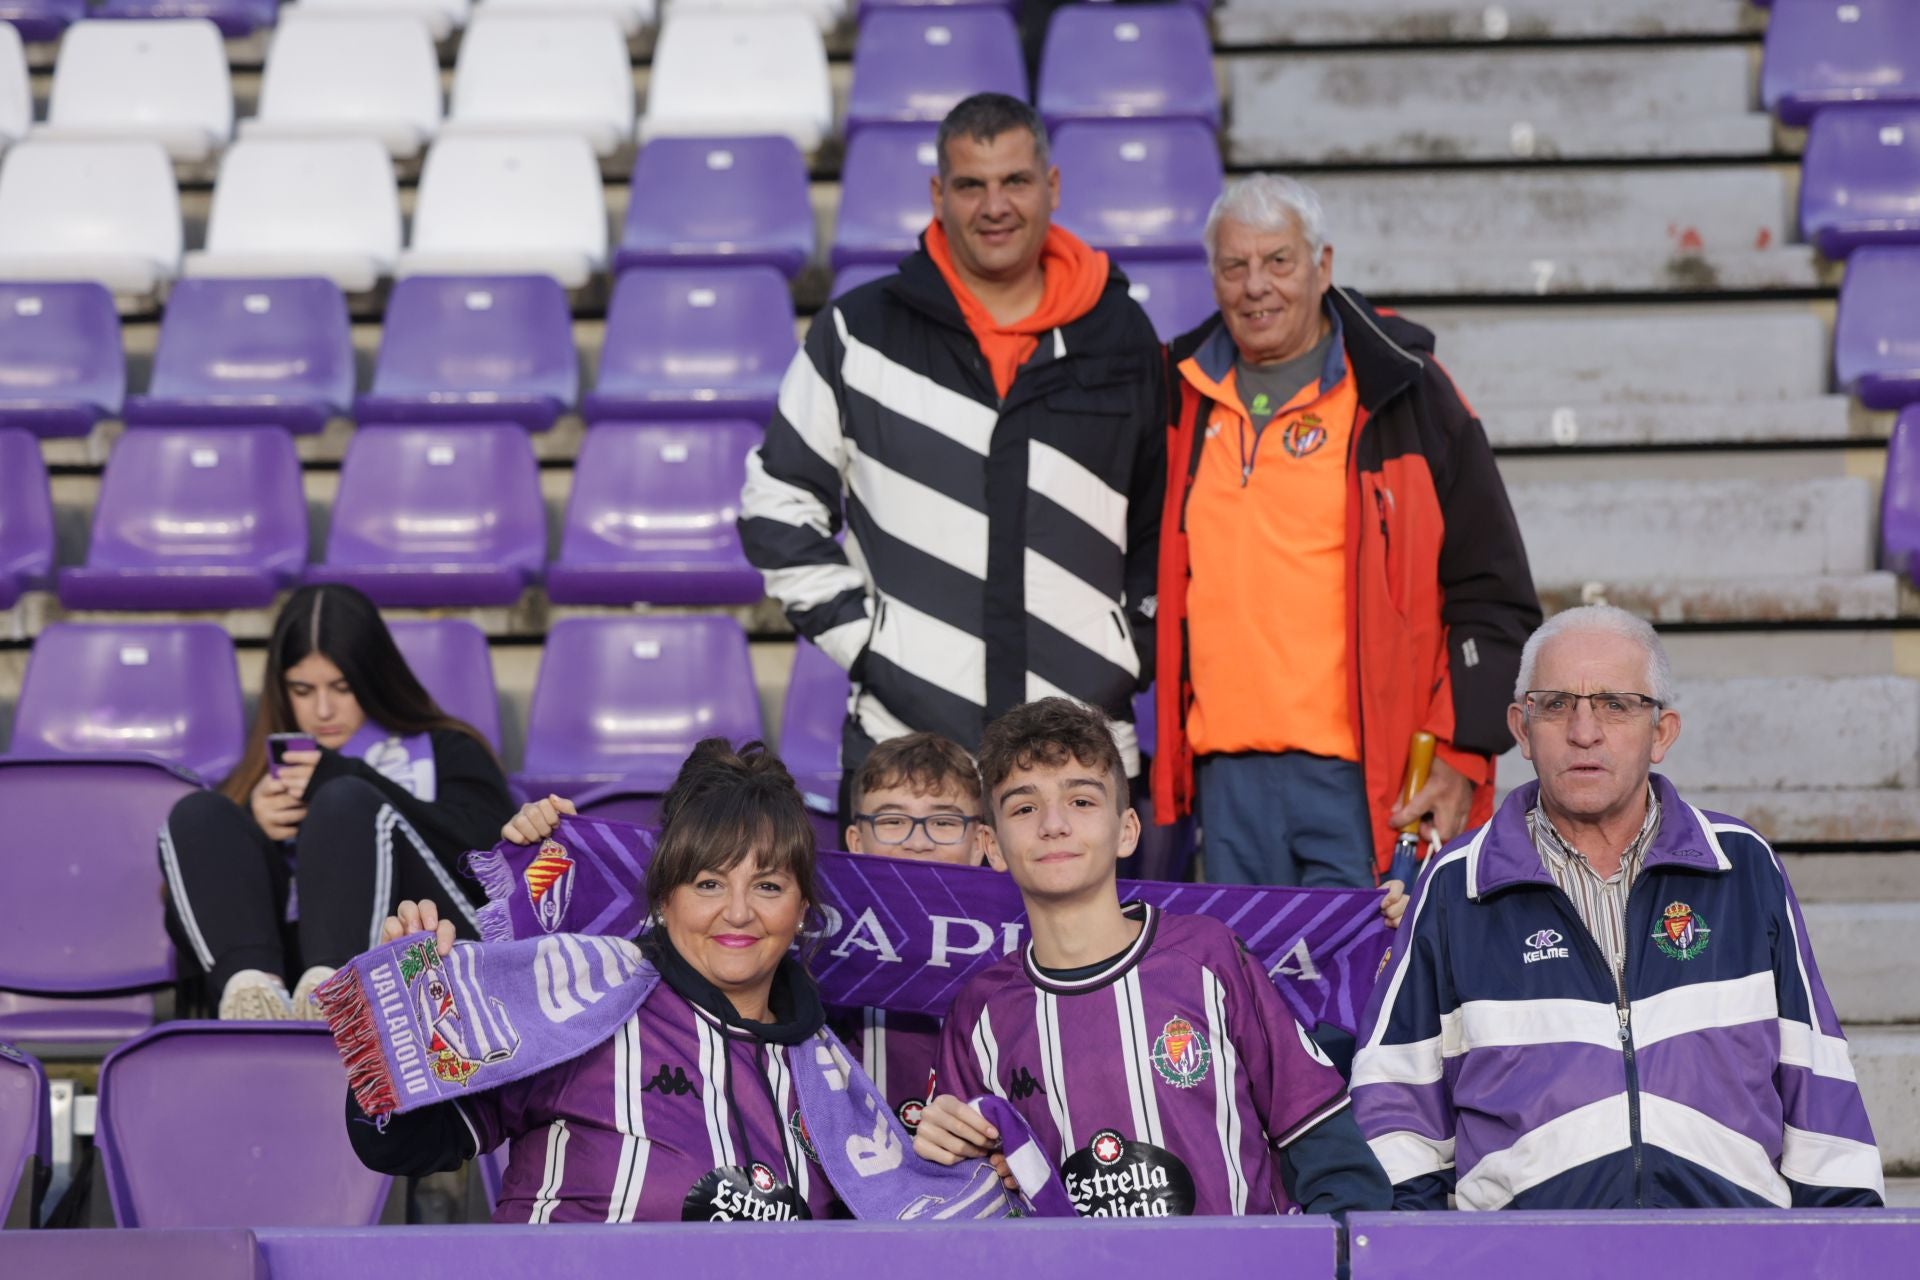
995 550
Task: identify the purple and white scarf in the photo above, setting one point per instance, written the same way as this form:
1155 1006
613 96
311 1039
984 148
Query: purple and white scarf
406 760
906 936
415 1028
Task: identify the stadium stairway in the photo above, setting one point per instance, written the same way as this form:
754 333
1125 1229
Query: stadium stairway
1589 207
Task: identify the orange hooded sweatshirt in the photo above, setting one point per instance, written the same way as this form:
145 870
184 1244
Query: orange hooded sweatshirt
1076 274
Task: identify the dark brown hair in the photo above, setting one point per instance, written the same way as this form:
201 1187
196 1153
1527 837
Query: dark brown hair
725 805
923 762
1045 735
343 626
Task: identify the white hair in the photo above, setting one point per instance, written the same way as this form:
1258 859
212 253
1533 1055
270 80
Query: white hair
1613 621
1269 202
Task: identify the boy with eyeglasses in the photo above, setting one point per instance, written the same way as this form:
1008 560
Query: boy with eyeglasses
913 797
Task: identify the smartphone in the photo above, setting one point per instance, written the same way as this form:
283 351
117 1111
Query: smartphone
278 744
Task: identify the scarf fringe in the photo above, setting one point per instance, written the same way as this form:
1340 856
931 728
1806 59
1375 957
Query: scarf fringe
349 1014
495 919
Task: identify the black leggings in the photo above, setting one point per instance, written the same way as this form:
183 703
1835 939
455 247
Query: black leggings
353 859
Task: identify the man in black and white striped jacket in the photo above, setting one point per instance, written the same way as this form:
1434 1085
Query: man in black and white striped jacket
988 428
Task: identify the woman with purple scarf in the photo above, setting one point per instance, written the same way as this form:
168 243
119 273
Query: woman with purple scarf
685 1076
355 792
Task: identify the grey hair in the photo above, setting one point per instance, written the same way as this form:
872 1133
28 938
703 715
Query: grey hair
1269 202
984 117
1613 621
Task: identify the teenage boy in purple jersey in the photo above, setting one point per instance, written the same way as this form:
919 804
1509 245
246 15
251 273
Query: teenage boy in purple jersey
1148 1051
913 797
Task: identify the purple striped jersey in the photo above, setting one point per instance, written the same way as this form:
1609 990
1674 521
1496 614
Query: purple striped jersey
1163 1083
895 1050
645 1128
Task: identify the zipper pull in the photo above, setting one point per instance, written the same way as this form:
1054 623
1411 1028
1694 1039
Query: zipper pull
1624 1015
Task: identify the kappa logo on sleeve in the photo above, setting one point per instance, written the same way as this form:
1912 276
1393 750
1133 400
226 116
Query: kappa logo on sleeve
1022 1085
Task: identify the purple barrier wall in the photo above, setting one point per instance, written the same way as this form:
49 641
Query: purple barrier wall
1218 1248
1721 1245
148 1255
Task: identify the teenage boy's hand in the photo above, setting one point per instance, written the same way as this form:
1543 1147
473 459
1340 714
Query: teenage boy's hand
951 1131
1394 905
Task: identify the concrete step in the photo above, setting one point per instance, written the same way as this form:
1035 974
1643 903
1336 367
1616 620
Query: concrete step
1845 878
1903 1193
1264 22
1887 1062
1585 377
1864 956
1424 107
1587 231
1808 543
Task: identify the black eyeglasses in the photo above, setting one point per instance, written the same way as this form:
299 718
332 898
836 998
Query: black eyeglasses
898 828
1555 705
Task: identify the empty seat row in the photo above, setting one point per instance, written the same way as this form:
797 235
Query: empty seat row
679 342
39 21
616 697
425 517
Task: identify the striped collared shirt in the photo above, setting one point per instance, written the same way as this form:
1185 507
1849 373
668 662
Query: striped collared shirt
1600 900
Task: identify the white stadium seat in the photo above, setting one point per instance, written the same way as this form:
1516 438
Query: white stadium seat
564 73
162 81
825 14
719 71
509 204
106 211
632 15
303 206
350 75
443 17
16 90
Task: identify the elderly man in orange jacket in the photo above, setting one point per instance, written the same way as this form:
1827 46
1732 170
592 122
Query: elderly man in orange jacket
1339 567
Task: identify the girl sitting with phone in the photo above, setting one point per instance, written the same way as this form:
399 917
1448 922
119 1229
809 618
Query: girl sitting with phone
355 792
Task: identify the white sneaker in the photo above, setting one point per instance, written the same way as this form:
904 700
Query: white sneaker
304 1008
255 996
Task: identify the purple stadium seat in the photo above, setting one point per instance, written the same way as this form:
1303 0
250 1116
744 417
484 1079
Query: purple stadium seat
475 349
80 844
430 517
1176 294
850 278
451 658
236 19
1860 179
810 724
1900 498
1139 189
38 20
224 1124
249 352
1876 341
66 1026
913 65
26 516
651 517
625 699
1821 53
1138 61
163 691
713 201
26 1137
209 519
61 367
693 342
884 200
